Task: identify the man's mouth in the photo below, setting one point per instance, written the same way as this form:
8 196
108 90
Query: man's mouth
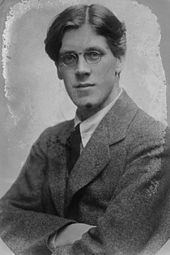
85 85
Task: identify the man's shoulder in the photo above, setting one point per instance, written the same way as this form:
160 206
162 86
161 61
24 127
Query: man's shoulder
145 130
127 119
140 120
58 128
55 133
143 123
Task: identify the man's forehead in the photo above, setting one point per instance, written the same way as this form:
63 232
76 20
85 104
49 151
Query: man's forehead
82 38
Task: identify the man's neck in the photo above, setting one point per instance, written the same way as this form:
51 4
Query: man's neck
89 110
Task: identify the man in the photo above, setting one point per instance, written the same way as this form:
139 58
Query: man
98 184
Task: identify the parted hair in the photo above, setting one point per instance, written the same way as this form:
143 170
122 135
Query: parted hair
101 19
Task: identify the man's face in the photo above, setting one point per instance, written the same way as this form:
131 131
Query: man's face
90 79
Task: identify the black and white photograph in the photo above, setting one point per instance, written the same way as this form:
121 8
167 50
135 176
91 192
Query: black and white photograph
84 127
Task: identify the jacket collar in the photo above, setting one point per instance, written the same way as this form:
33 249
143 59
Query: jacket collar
119 118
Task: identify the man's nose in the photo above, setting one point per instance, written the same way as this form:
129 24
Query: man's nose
83 68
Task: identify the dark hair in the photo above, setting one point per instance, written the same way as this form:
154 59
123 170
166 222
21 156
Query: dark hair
102 20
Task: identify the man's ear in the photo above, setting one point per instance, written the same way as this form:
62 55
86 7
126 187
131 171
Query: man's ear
119 65
59 72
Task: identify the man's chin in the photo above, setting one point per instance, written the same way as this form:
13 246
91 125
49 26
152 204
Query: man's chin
86 110
86 106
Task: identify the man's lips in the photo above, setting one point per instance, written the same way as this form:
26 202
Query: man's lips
84 85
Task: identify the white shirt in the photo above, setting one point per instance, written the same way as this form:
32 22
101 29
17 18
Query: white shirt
88 126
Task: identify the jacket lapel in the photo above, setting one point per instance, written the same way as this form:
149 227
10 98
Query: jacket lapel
92 160
96 154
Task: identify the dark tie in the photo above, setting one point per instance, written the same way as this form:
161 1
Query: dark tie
73 147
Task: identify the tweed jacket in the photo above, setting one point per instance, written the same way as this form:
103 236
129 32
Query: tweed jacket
120 184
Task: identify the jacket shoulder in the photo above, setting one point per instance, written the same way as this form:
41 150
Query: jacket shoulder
57 129
145 127
53 135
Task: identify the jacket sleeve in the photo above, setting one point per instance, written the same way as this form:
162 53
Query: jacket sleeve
137 220
24 223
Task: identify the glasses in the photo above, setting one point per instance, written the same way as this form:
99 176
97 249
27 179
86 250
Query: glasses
70 59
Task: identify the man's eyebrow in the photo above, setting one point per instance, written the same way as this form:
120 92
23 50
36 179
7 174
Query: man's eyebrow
95 48
67 51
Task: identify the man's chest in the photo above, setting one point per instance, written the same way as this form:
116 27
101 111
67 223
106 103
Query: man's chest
87 191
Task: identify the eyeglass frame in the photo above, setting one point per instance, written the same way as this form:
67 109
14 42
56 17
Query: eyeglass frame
77 54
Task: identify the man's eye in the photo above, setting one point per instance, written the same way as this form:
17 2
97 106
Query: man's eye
93 55
68 59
